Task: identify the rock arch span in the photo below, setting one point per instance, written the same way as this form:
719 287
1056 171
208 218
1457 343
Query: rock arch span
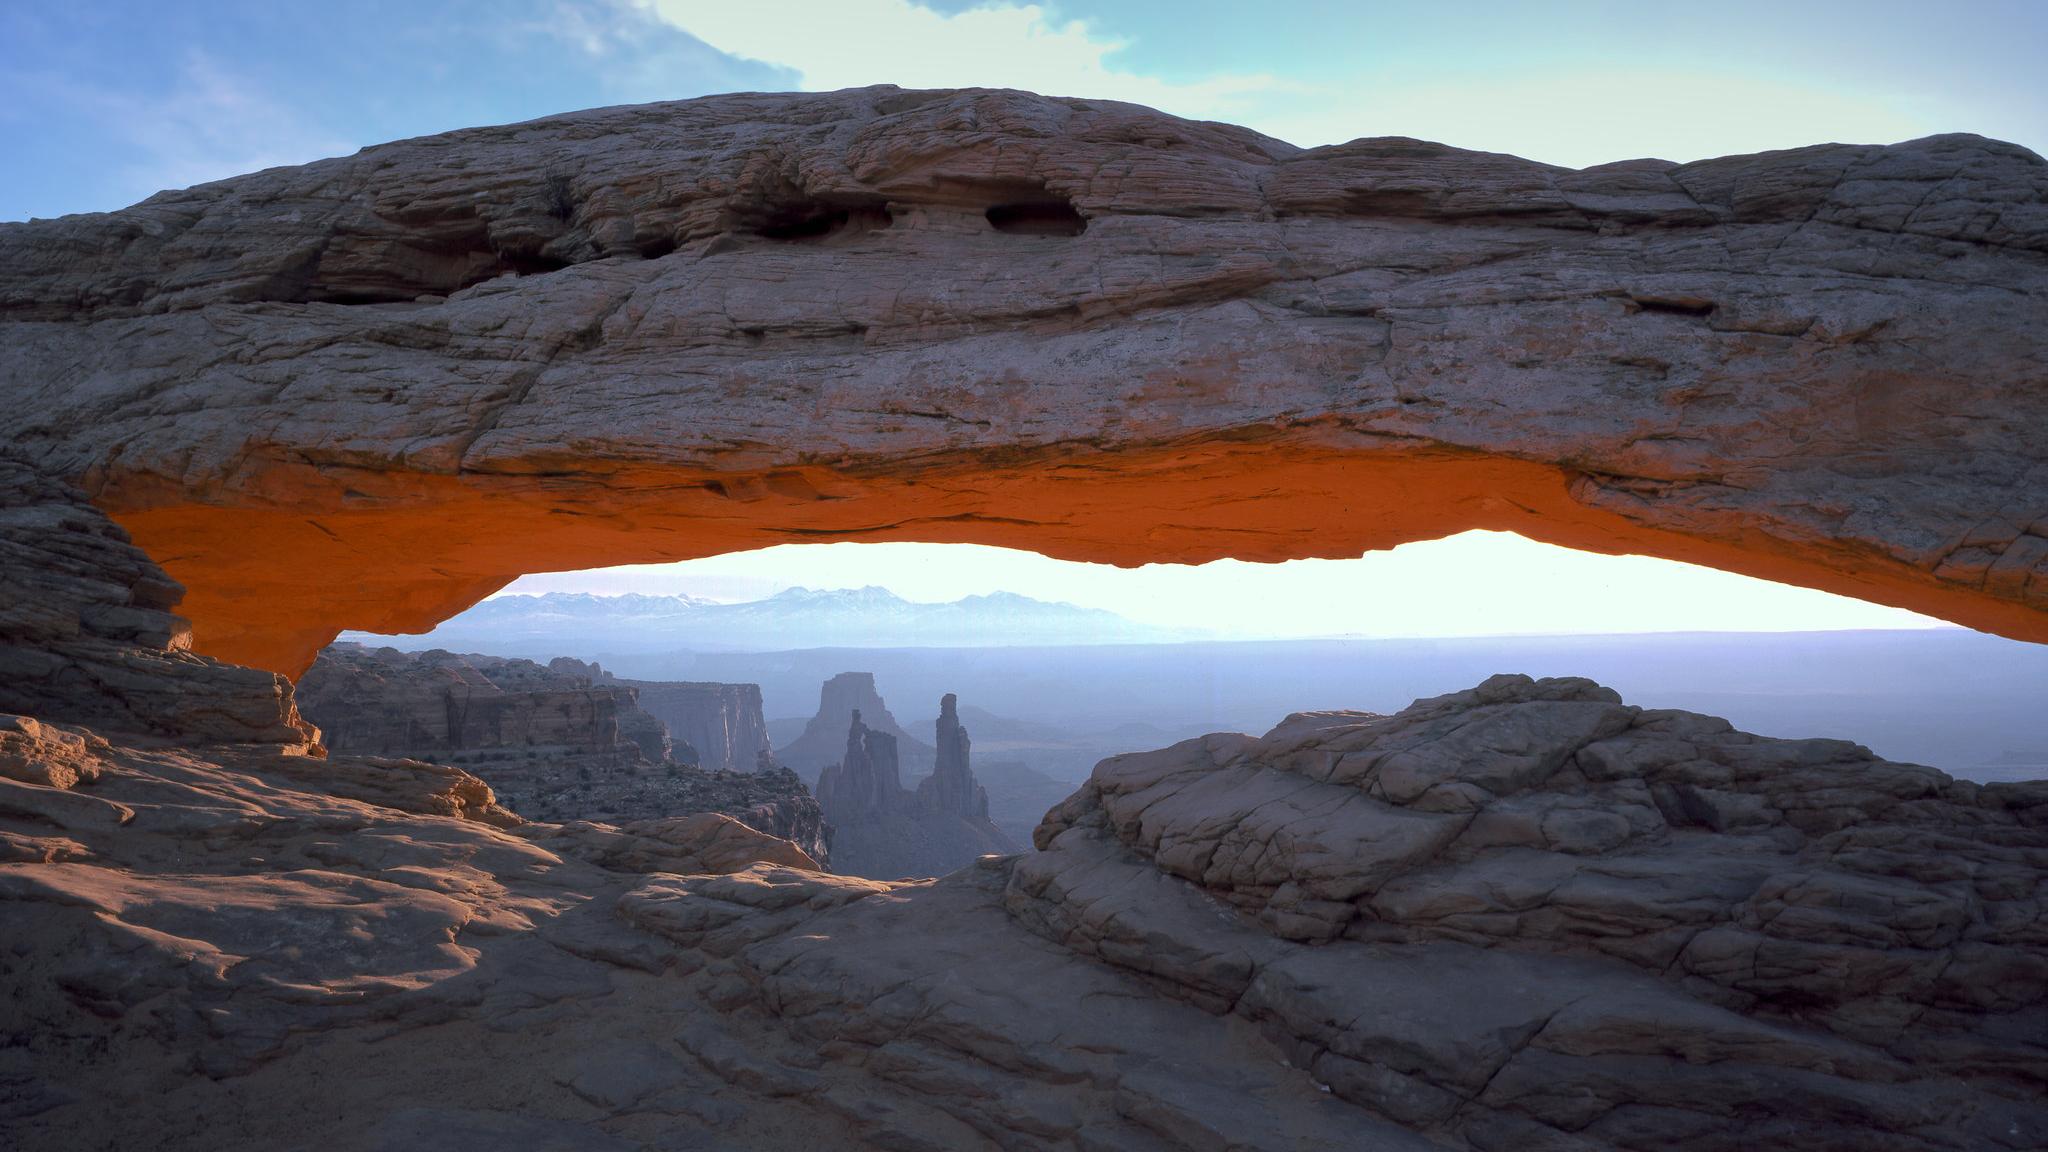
368 391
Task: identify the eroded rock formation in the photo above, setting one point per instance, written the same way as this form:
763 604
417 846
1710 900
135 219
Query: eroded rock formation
1070 325
1628 927
883 831
840 700
866 785
1523 916
558 742
951 787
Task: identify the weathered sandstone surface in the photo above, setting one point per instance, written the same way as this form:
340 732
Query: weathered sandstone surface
556 742
1082 327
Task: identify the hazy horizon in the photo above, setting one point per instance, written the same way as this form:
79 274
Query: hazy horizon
1453 586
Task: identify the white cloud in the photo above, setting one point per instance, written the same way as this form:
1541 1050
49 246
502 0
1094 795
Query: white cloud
1559 116
853 43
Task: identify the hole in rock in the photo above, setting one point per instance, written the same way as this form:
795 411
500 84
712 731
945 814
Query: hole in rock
1674 305
762 657
1049 217
804 220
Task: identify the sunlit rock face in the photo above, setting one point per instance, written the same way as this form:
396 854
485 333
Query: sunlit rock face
1076 326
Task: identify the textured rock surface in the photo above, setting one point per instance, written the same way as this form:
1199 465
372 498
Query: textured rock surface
558 742
87 632
1615 929
1550 919
670 330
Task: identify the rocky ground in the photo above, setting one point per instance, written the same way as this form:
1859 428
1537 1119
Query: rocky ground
1522 916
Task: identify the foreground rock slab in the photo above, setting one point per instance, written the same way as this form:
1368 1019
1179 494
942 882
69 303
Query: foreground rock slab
1523 916
1081 327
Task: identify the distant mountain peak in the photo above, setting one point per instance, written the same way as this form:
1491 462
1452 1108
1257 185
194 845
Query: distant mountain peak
795 617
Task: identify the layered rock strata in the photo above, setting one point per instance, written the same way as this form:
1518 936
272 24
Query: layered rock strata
723 722
88 633
558 742
1543 918
608 337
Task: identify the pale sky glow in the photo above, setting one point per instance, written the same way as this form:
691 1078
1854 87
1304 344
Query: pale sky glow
1471 584
1576 116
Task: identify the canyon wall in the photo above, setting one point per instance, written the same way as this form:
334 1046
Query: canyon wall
1081 327
558 742
722 722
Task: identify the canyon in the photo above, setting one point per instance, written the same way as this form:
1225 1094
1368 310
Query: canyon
560 742
365 393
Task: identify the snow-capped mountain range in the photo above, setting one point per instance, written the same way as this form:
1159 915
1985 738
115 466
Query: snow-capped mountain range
870 617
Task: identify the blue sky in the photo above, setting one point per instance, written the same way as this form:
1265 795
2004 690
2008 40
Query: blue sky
103 104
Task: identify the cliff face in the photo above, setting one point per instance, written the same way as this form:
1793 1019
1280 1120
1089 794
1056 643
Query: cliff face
824 738
722 722
559 742
553 740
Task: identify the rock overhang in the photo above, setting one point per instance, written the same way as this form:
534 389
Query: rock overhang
1075 326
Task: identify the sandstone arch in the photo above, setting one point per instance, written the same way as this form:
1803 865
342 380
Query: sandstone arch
368 391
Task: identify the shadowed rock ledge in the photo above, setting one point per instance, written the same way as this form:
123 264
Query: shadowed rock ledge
1082 327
